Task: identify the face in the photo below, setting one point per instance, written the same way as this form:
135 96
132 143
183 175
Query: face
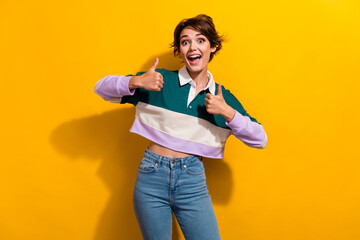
195 50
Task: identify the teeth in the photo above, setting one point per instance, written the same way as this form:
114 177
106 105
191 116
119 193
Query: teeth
194 56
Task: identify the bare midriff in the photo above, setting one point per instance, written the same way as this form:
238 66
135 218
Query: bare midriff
166 152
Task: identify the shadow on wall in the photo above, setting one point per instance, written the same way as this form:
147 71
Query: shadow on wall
106 137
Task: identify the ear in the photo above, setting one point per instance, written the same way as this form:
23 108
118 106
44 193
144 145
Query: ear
213 49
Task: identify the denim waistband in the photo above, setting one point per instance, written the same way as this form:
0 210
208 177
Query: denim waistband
168 160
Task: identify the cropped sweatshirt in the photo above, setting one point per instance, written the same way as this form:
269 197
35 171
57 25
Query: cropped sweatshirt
177 119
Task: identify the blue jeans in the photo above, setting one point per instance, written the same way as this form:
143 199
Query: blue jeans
165 185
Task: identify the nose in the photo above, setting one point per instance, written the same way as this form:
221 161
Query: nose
193 46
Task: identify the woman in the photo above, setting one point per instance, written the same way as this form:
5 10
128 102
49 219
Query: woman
186 116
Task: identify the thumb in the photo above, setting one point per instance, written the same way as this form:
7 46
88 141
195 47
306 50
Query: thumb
153 67
219 90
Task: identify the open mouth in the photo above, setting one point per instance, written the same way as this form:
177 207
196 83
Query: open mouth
194 59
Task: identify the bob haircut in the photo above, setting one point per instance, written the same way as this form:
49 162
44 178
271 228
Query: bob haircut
202 23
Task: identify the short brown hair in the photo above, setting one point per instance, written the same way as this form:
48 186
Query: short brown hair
203 24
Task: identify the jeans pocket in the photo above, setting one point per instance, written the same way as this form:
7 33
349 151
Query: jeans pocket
195 168
147 166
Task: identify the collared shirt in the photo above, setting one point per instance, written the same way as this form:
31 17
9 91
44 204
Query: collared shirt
177 119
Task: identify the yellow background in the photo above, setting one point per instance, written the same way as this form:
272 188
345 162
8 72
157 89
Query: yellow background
68 161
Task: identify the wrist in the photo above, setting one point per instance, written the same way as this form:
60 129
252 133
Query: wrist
229 113
134 82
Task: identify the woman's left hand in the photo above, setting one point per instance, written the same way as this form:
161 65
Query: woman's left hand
215 104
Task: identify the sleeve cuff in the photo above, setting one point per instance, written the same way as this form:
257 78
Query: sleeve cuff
251 133
237 122
123 86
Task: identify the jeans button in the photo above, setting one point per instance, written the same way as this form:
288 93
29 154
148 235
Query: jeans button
173 161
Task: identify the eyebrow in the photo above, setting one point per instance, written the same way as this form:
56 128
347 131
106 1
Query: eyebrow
199 34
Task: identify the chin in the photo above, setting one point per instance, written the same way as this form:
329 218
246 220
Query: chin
195 68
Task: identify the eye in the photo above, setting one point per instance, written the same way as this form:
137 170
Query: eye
184 42
201 40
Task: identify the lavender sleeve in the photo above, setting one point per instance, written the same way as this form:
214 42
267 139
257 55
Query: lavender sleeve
112 88
250 132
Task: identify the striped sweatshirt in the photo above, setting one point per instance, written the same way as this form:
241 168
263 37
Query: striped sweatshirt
177 119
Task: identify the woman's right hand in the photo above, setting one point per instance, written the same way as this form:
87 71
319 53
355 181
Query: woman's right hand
150 80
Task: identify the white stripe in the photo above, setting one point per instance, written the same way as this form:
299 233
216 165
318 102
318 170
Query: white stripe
113 100
182 126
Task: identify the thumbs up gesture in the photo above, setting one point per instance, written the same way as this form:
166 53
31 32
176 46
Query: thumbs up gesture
215 104
150 80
